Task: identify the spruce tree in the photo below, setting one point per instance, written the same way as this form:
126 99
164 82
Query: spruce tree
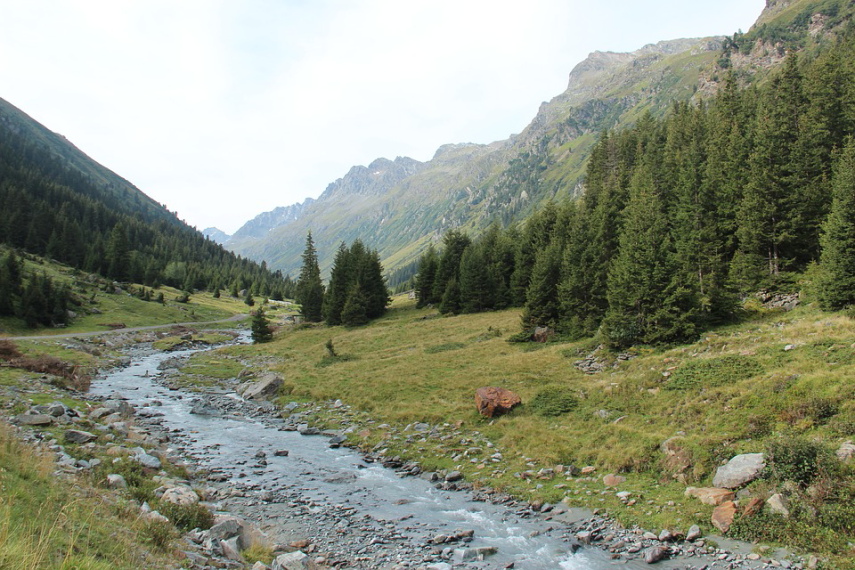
341 280
643 303
837 262
477 290
543 307
261 331
354 313
428 263
310 289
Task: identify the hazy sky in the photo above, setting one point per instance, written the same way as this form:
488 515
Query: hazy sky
225 109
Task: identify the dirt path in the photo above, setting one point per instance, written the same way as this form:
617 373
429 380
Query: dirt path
232 319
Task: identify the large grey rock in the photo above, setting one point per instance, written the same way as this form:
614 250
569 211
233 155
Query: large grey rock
846 451
740 470
116 481
79 436
146 460
180 495
33 420
54 409
778 504
293 561
266 387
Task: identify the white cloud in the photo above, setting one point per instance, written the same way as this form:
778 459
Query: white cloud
226 109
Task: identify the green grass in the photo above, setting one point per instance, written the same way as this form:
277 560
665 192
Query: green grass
100 306
46 522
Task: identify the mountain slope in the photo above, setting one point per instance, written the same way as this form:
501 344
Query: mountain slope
471 186
57 202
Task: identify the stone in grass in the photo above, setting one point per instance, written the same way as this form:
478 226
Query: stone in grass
710 495
612 480
79 436
116 481
33 419
740 470
454 476
180 495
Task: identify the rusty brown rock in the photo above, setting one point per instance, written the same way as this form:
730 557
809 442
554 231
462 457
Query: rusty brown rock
612 480
710 495
722 516
492 401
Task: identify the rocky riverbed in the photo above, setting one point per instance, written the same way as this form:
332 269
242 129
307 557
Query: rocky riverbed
283 482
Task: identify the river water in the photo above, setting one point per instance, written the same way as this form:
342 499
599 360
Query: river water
338 479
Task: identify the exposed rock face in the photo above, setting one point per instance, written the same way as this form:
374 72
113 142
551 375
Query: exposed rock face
740 470
492 401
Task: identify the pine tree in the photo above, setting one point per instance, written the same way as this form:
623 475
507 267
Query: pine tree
477 290
341 280
310 289
450 303
118 254
354 313
837 262
454 243
543 307
643 303
428 263
261 331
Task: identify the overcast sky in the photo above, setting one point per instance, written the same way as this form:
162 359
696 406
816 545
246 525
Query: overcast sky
224 109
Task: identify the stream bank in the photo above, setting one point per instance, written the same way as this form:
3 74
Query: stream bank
372 511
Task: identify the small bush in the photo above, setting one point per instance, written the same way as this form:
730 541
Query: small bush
711 372
159 534
797 459
330 360
187 517
258 553
552 402
9 350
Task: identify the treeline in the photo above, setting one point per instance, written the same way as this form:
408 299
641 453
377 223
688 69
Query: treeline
33 298
356 292
52 210
681 217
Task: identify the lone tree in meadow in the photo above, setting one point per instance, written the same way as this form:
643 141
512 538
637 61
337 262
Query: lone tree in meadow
261 331
310 289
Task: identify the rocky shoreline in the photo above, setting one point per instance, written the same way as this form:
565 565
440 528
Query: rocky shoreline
307 532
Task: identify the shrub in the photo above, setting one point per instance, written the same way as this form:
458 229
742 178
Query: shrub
797 459
554 401
187 517
8 350
158 533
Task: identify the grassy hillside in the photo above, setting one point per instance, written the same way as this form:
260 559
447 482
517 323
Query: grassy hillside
780 378
101 305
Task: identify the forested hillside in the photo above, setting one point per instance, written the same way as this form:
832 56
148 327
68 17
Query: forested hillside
56 204
683 216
